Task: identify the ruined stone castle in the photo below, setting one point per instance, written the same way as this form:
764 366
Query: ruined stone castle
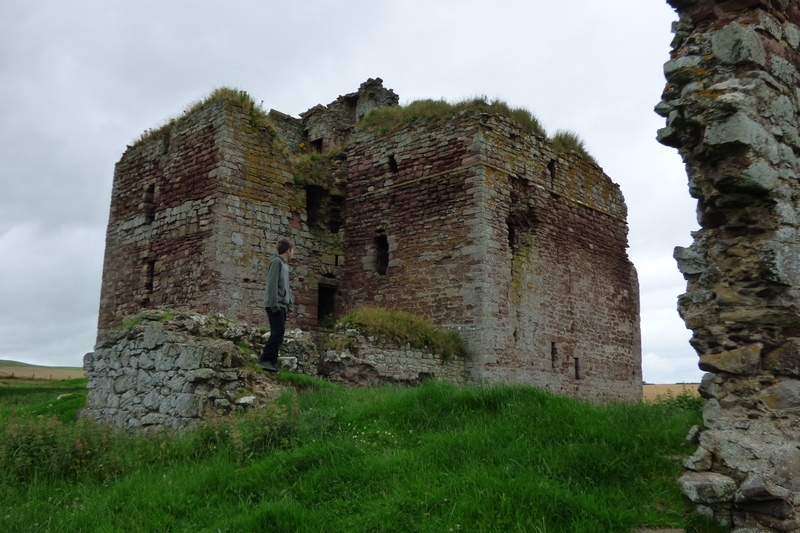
467 220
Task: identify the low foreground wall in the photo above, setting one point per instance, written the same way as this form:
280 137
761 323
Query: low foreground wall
167 371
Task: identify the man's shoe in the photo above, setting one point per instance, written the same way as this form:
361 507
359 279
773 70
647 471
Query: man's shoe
266 365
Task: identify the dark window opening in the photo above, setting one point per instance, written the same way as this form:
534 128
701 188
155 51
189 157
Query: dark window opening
512 236
577 368
149 268
551 167
147 204
381 254
316 145
352 104
554 355
324 210
392 164
335 222
326 308
336 260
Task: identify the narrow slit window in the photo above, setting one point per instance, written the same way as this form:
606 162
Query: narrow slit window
392 164
381 254
326 309
147 282
149 268
148 207
578 374
554 355
512 235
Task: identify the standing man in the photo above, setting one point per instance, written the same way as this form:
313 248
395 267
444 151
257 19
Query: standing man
278 301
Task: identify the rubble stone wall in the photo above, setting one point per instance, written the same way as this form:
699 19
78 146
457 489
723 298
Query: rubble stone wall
169 371
732 105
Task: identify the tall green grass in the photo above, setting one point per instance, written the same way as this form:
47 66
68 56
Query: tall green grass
329 459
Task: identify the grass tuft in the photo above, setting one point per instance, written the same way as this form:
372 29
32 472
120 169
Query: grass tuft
565 141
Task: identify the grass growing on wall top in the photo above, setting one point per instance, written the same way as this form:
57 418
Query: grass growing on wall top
569 141
404 327
388 118
259 119
394 459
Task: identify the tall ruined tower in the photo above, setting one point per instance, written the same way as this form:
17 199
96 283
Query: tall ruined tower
489 230
198 205
732 104
466 219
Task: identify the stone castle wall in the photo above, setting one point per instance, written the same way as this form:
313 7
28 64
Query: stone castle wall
489 231
568 318
161 214
732 105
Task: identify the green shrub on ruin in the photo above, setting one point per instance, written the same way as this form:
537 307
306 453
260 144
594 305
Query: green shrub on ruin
385 119
405 328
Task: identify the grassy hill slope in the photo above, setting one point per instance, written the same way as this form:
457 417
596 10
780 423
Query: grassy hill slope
430 458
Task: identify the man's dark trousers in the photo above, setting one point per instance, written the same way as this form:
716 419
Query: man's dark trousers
277 327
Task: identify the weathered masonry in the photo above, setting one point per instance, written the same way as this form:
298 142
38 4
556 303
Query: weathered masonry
732 105
467 220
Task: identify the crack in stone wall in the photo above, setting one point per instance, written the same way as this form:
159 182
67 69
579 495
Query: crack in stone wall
732 105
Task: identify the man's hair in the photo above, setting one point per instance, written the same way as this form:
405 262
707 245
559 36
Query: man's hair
284 244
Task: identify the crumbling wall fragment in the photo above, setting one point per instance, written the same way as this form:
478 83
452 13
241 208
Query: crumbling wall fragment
732 105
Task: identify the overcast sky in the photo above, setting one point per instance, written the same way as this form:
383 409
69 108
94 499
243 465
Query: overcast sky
81 79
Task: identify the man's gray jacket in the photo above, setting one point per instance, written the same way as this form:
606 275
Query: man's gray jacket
278 293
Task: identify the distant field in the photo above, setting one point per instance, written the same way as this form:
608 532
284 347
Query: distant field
650 392
32 372
25 371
